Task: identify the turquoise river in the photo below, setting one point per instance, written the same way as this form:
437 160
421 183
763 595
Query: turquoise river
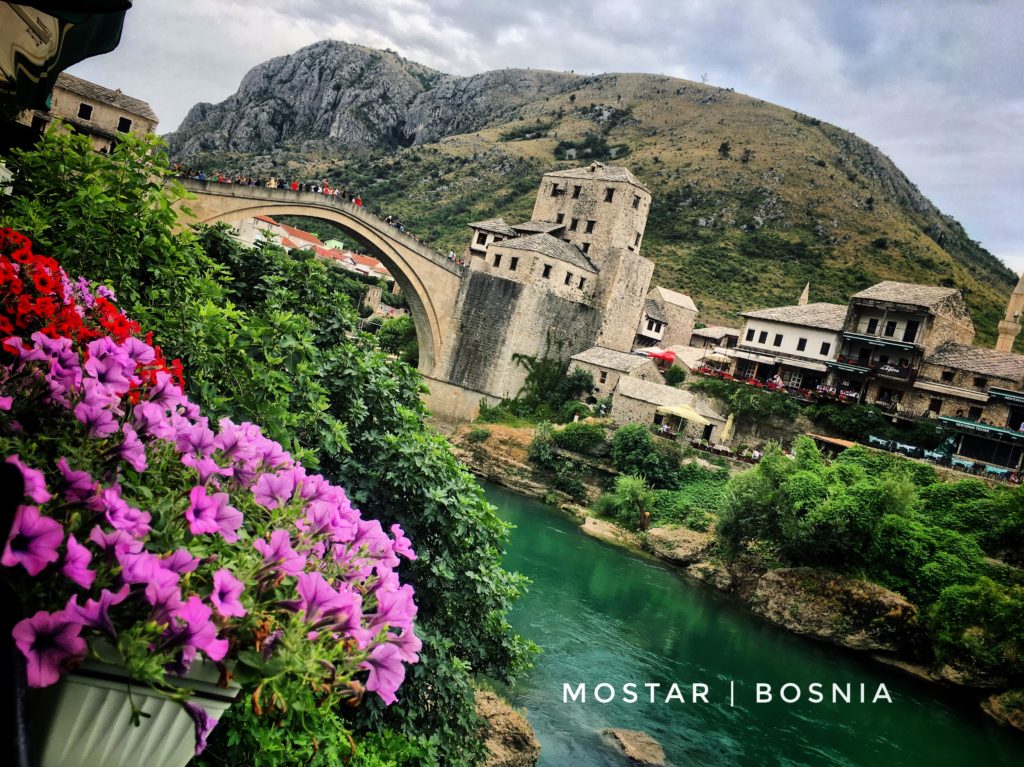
603 615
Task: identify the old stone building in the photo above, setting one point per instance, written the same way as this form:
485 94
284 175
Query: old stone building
667 320
889 329
607 366
714 335
569 279
793 343
97 112
657 405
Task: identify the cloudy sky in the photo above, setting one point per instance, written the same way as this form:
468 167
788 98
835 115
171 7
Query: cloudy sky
935 84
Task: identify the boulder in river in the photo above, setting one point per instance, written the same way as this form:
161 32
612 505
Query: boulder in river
510 740
680 546
638 747
846 611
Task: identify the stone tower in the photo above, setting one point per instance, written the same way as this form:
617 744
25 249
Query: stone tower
568 279
1009 328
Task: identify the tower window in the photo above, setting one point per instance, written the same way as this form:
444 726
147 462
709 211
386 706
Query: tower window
84 111
590 226
573 224
763 337
481 238
576 192
583 281
568 278
935 405
778 340
609 193
825 347
604 376
586 247
554 190
636 201
801 344
559 218
513 263
947 376
123 125
497 259
636 242
547 272
750 334
872 326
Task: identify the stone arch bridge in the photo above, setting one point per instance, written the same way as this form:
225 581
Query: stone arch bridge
428 279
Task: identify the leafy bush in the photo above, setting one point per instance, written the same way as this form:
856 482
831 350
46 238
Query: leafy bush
747 402
397 335
572 409
477 435
542 448
675 375
568 481
628 501
581 437
634 452
981 625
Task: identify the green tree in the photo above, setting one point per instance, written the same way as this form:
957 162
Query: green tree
397 335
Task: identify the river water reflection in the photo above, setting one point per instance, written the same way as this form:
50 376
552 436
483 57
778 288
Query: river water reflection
604 615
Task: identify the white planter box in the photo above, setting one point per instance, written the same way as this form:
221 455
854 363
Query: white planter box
85 719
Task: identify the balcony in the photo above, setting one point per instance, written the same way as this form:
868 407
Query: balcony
879 341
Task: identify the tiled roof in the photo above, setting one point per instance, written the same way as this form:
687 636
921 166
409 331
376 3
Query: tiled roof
906 293
677 299
537 226
547 245
653 310
977 360
266 220
820 315
661 395
298 234
597 171
495 225
611 359
105 95
716 331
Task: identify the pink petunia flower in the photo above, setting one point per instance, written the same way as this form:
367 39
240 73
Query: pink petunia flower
76 563
49 642
35 482
386 671
33 541
226 592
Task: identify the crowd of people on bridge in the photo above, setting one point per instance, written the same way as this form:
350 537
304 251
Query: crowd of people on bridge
270 182
317 187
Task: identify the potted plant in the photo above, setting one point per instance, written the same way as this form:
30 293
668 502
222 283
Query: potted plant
161 560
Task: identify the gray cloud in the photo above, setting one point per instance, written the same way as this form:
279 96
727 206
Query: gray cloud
934 85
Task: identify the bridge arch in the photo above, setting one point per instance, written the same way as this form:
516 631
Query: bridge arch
429 280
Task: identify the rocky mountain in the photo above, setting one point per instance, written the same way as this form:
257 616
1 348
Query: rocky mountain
751 200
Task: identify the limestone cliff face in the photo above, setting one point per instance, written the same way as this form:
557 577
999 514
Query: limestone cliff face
465 104
357 98
354 96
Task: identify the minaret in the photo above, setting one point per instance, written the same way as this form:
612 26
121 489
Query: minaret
805 296
1009 328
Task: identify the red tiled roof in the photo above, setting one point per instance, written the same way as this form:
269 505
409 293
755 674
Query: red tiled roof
311 239
267 220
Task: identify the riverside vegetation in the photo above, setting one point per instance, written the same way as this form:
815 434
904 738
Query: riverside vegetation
954 550
268 337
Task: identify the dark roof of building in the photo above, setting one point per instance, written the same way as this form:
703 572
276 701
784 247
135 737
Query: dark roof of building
611 359
977 360
547 245
537 226
105 95
819 315
716 331
597 171
906 293
496 225
653 310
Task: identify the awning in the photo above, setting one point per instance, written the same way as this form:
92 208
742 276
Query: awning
805 364
1008 395
685 412
951 391
987 429
751 356
715 357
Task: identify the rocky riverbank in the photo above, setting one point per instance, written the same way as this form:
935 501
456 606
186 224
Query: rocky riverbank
849 612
